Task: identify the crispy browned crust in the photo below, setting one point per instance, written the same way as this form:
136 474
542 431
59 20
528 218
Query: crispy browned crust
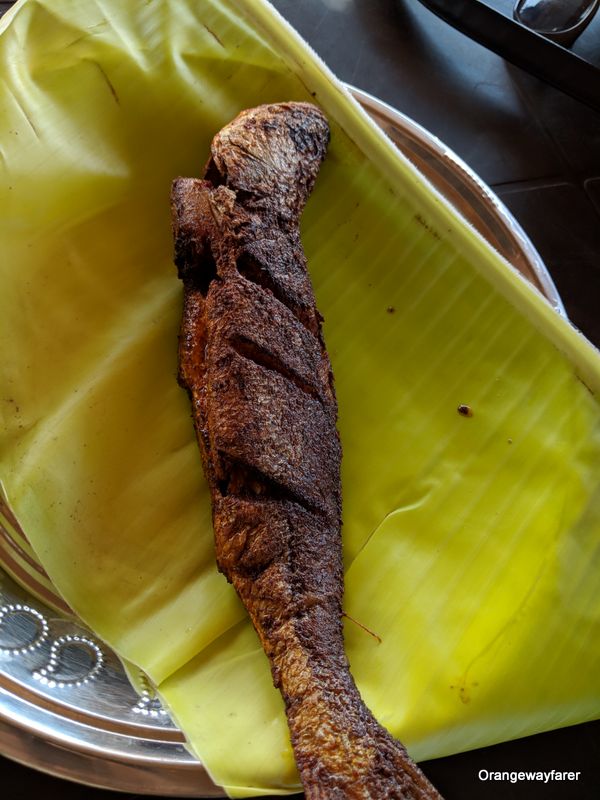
253 361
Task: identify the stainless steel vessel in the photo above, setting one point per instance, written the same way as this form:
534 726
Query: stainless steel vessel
66 704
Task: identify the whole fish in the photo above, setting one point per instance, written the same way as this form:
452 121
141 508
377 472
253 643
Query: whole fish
252 358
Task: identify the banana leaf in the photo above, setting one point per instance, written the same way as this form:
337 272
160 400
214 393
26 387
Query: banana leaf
471 544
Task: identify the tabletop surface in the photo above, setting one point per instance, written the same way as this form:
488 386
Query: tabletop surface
540 151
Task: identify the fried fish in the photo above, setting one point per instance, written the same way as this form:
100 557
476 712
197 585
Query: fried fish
253 361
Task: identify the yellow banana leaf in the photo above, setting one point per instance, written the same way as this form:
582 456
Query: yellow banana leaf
472 544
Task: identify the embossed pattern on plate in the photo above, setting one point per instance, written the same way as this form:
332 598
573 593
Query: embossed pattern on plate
66 705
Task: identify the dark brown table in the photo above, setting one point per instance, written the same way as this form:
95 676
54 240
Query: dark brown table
540 151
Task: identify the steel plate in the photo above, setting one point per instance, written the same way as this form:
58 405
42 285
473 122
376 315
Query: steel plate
66 704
